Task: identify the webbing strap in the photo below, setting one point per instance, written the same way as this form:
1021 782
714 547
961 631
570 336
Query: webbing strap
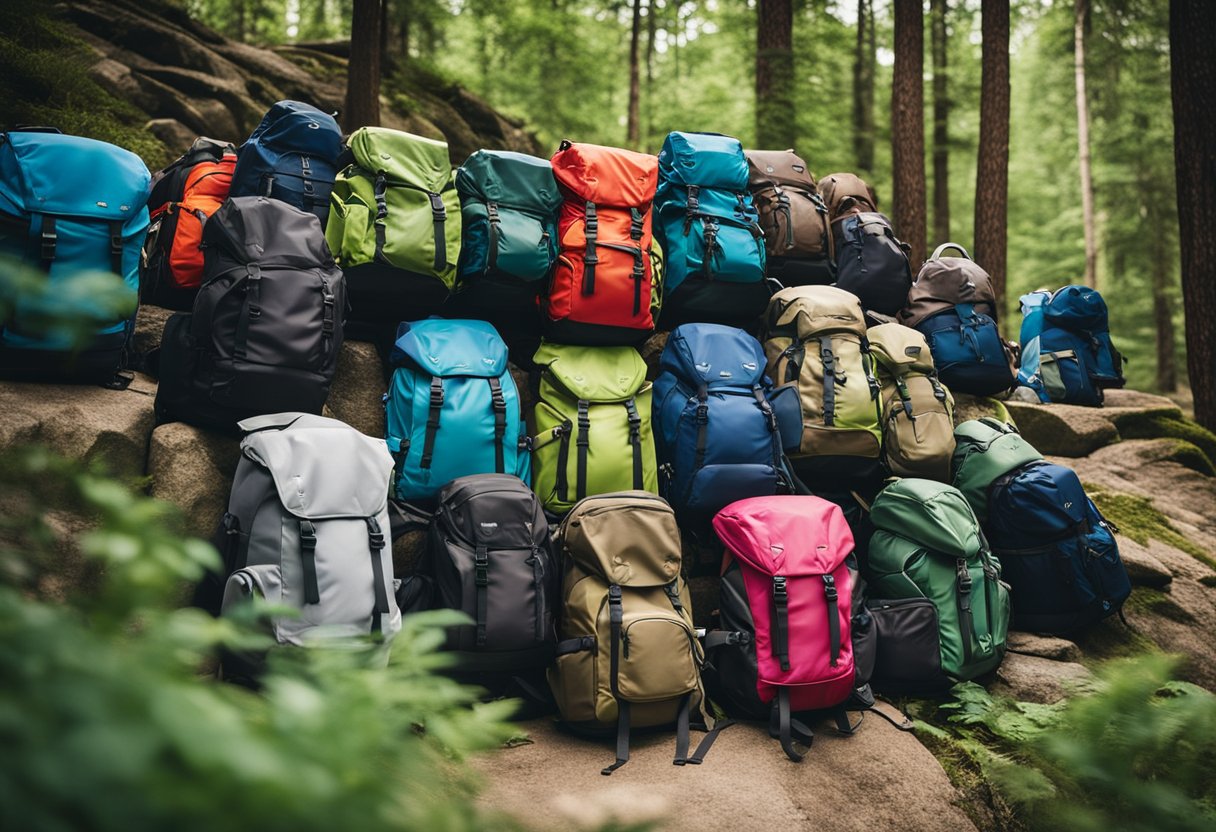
439 216
563 461
250 311
722 638
707 741
829 379
781 636
492 216
380 187
635 224
783 205
49 240
481 578
622 738
584 443
701 420
590 258
710 228
116 247
673 595
694 205
784 727
615 618
575 645
963 587
432 421
770 419
308 557
538 588
639 277
682 731
306 175
499 404
327 320
635 441
375 541
829 592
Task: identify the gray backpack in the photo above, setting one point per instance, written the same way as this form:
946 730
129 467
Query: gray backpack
307 527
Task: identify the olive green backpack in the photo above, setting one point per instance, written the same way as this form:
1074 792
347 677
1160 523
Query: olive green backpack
917 409
927 544
984 450
591 425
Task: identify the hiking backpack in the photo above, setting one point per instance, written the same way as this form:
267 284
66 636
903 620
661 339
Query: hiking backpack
785 643
871 263
717 436
1067 354
604 288
184 195
815 341
395 224
292 155
794 218
69 206
1057 551
452 408
927 546
628 655
307 529
846 193
986 449
953 305
710 234
917 409
267 323
592 425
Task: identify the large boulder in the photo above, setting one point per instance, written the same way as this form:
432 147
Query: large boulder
1063 429
1030 678
355 395
193 469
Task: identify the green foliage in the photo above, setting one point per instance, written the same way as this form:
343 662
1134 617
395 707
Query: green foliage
1157 425
1140 520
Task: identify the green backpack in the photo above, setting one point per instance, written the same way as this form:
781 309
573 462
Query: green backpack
928 544
984 450
591 423
394 224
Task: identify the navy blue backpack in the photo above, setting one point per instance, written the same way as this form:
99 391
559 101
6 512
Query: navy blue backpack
1057 552
293 156
1067 354
717 435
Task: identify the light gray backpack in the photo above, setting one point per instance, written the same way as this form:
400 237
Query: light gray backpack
307 528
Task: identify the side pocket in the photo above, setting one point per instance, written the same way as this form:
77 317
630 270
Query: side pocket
573 679
908 649
358 238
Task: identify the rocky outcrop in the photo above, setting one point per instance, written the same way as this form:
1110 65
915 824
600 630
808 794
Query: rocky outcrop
193 469
1030 678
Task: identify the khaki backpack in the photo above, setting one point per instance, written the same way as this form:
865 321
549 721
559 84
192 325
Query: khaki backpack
792 215
917 409
846 193
627 654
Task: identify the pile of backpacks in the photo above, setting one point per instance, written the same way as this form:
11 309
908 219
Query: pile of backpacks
801 426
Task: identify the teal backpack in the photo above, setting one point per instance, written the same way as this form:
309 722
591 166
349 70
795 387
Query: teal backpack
452 407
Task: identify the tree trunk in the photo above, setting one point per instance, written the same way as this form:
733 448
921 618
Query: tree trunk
384 29
1193 83
634 129
863 88
363 74
403 42
992 164
650 32
775 124
941 121
1087 181
908 127
1163 312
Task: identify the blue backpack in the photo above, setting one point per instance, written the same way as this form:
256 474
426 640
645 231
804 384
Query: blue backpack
1057 552
293 156
708 228
69 205
452 407
1067 354
717 436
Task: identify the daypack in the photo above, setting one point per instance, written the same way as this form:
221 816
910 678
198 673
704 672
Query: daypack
69 206
917 409
1057 551
1067 354
592 425
953 305
184 195
709 230
604 288
986 449
716 433
395 225
292 155
871 263
794 218
815 341
628 655
846 193
928 545
452 407
785 643
267 323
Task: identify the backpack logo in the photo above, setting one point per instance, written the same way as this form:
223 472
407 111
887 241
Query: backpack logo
1067 506
912 351
768 169
777 550
489 527
798 168
750 366
724 374
703 367
103 205
312 125
489 362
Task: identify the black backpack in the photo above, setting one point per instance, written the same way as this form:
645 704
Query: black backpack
267 323
872 263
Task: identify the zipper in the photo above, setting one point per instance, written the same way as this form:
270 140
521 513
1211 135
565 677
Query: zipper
538 587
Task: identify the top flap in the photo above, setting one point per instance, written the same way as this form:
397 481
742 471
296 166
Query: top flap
1077 307
598 374
846 191
810 310
606 175
494 510
258 229
296 126
73 176
714 355
778 167
628 537
301 457
402 157
900 349
931 514
515 180
709 160
443 347
945 282
786 535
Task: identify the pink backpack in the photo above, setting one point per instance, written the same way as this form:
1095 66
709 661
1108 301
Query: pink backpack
784 643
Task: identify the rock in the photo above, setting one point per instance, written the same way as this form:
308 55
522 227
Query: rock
407 549
1142 568
1045 647
651 351
1023 394
1063 429
1036 679
83 422
193 469
355 395
968 407
1138 400
149 327
171 132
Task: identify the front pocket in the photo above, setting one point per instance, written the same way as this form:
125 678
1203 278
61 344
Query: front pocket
736 255
1065 378
260 582
715 486
524 249
656 659
551 457
907 655
355 237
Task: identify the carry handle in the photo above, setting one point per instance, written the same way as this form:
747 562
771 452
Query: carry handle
937 252
35 128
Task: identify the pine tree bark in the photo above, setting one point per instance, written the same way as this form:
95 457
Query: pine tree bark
908 127
650 33
941 123
1163 312
363 73
1087 180
863 88
992 164
775 124
633 125
1193 86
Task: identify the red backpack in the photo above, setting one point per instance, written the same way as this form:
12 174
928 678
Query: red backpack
601 288
784 641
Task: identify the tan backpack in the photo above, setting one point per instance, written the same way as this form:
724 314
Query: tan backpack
792 215
846 193
627 654
917 409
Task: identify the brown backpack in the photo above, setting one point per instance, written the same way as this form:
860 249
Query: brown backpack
944 282
846 193
792 215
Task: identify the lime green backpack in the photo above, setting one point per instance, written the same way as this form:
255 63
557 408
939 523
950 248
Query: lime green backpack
394 224
591 425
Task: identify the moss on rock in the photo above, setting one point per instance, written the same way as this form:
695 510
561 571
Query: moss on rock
1140 520
1158 424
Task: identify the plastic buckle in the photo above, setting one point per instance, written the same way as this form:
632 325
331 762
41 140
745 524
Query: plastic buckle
481 571
779 589
738 637
829 587
439 213
49 241
308 535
